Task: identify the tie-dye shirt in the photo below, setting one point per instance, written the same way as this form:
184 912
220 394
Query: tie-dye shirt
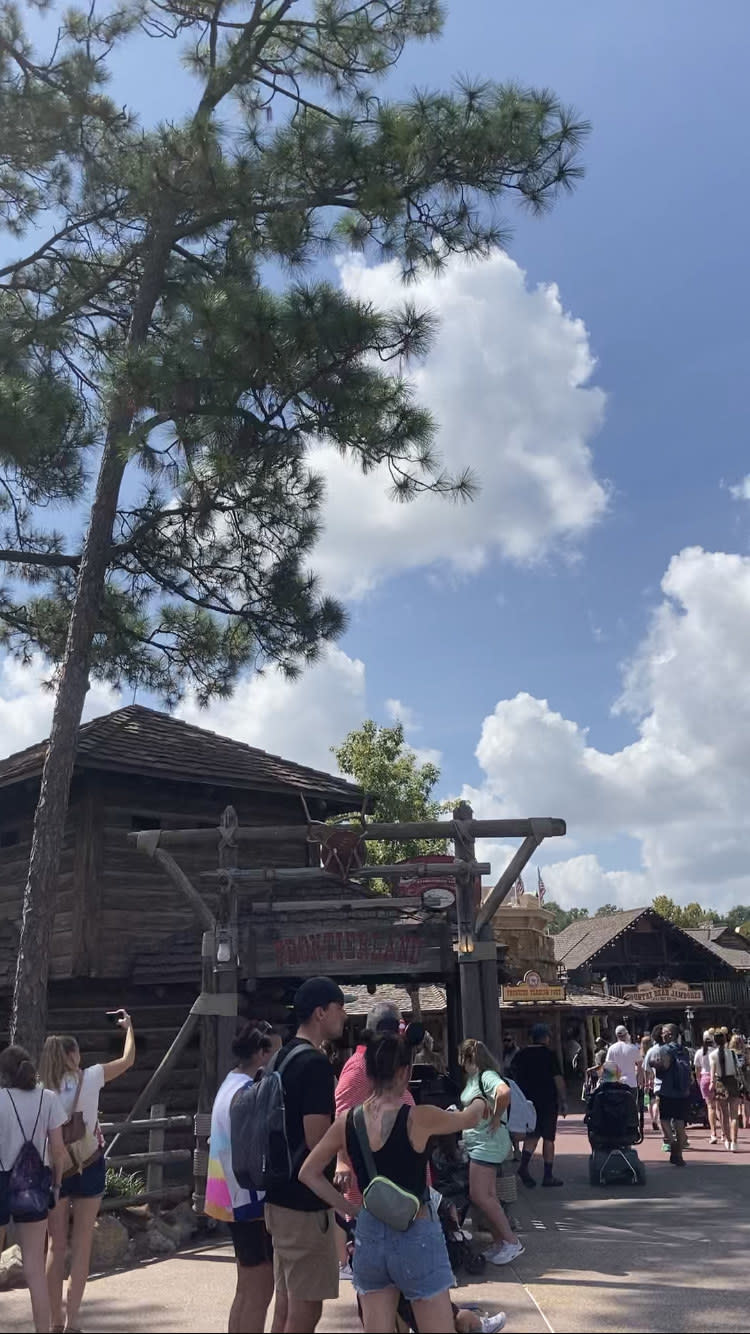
225 1199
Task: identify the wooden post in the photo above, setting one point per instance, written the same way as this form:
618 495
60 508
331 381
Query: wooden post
490 996
468 970
208 1082
227 936
155 1171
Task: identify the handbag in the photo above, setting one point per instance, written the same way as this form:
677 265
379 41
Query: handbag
728 1085
381 1197
82 1146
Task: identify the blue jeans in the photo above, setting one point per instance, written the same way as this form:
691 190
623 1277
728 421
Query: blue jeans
416 1261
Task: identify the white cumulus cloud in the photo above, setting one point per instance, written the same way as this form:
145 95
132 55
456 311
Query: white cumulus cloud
682 788
508 382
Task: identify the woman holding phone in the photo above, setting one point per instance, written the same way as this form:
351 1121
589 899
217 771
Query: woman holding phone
83 1183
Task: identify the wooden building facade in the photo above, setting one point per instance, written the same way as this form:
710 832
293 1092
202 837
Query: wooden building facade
124 934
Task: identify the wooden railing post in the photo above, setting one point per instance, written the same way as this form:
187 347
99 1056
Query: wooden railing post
155 1171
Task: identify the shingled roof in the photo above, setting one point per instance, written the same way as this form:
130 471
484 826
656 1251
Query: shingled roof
725 943
138 740
580 941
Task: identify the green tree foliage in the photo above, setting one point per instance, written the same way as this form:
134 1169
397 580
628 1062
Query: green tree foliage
606 910
691 915
563 917
379 760
169 298
738 916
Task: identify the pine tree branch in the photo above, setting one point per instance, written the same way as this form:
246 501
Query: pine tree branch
68 230
50 559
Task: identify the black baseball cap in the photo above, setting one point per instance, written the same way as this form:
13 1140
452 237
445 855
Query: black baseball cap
316 991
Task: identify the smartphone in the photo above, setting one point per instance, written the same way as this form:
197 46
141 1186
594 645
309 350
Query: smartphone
114 1015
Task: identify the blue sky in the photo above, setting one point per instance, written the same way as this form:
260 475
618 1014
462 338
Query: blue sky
650 255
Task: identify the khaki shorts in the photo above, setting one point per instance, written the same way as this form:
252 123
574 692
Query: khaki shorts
305 1261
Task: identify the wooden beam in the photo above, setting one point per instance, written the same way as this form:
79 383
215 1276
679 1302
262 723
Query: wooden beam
544 827
176 874
506 881
418 871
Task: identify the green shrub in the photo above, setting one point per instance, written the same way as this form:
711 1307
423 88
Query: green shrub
123 1184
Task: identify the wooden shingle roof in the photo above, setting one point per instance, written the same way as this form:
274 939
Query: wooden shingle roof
137 740
580 941
725 943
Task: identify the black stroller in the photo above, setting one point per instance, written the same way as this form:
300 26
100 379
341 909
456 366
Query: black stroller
614 1125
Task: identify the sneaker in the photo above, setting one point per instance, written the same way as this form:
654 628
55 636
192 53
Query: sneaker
552 1181
527 1180
713 1140
726 1143
666 1148
676 1158
490 1324
345 1271
507 1252
733 1147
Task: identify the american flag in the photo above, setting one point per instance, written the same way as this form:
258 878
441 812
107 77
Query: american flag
518 891
541 891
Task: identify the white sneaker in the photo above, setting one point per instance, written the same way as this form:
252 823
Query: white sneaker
345 1271
490 1324
726 1143
507 1252
713 1140
733 1147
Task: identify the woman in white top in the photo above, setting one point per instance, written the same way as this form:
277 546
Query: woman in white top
725 1082
83 1184
702 1063
28 1114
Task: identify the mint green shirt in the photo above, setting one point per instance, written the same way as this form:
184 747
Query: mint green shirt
485 1145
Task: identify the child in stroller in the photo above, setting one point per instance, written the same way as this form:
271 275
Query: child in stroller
614 1125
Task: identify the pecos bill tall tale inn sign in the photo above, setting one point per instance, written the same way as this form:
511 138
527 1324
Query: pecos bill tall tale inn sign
677 993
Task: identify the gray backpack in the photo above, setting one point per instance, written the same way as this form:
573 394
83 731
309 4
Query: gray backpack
261 1156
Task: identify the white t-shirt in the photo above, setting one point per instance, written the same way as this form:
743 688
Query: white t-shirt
12 1138
88 1102
730 1063
702 1063
626 1056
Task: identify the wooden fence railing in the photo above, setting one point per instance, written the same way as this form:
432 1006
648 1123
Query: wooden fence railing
154 1160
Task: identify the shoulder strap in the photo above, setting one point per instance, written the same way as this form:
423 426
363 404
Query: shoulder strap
78 1094
27 1139
296 1051
360 1130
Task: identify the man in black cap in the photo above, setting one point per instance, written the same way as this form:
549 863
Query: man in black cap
537 1070
306 1265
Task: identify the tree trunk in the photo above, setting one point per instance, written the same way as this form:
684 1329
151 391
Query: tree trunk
29 1015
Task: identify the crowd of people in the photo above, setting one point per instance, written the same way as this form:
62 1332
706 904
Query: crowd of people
674 1082
52 1168
377 1187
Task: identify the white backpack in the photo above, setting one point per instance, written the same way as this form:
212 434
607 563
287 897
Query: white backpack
522 1112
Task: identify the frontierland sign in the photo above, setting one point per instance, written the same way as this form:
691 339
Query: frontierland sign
677 993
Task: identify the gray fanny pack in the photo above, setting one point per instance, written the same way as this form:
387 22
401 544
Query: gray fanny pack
382 1197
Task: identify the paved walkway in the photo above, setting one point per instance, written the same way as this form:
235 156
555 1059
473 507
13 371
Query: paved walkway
670 1256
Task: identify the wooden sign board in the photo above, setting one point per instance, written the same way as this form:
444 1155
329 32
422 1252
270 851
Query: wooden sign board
374 948
677 993
539 994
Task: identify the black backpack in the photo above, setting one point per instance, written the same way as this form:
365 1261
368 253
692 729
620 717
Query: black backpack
30 1181
261 1156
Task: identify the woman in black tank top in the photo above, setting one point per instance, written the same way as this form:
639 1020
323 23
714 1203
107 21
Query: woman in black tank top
386 1262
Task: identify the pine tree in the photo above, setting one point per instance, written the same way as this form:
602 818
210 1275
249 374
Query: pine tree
169 352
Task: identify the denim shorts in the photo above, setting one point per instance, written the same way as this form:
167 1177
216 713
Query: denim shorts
416 1261
86 1185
